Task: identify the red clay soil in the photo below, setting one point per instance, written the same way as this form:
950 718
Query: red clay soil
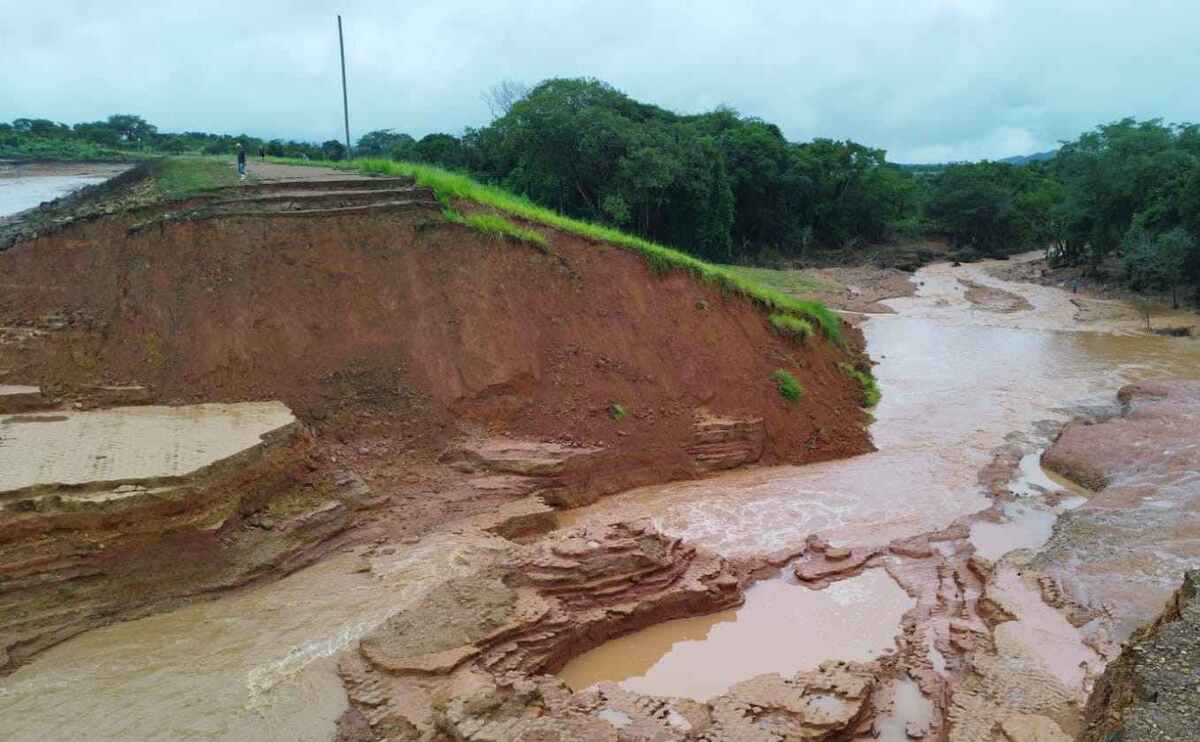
402 323
395 336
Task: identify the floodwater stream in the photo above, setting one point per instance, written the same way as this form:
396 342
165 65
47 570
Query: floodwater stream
958 381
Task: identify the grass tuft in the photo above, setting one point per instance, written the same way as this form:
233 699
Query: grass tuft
788 281
865 379
497 227
450 185
787 385
791 326
617 412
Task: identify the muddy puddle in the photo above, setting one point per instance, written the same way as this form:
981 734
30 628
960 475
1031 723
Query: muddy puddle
958 381
783 627
908 714
1027 522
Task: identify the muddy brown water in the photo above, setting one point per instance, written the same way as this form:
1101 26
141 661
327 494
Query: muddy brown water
680 658
957 380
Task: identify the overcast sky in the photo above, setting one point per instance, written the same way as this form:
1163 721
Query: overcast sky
929 80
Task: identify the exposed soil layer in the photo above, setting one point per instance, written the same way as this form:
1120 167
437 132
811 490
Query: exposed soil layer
80 556
1150 692
399 321
438 375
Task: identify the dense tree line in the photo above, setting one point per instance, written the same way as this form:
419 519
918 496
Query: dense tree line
126 133
1122 200
723 186
1133 199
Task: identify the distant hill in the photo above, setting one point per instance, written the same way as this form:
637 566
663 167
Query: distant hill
933 168
1026 159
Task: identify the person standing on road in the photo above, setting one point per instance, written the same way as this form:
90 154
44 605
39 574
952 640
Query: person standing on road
241 152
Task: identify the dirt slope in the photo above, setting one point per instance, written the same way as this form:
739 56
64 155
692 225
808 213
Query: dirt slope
438 375
427 323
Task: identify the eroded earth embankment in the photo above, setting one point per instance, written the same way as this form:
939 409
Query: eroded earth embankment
453 394
435 375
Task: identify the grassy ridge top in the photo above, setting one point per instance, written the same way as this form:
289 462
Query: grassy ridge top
450 185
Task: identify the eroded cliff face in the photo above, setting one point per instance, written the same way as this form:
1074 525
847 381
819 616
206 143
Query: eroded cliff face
361 308
436 376
108 515
1151 693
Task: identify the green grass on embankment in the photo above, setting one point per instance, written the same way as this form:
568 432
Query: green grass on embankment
177 178
497 227
791 326
791 282
870 387
789 388
450 185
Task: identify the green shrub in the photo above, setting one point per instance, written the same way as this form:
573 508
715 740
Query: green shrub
617 412
787 385
21 147
865 379
791 326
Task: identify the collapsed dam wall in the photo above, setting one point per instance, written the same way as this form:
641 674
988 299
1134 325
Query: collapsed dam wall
435 373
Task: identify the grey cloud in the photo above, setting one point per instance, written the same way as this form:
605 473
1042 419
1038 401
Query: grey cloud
925 79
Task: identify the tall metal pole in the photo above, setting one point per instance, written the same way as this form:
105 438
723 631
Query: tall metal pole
345 99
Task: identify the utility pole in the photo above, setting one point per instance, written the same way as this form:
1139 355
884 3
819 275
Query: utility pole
345 99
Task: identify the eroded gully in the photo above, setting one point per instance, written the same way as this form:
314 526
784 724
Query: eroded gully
962 380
